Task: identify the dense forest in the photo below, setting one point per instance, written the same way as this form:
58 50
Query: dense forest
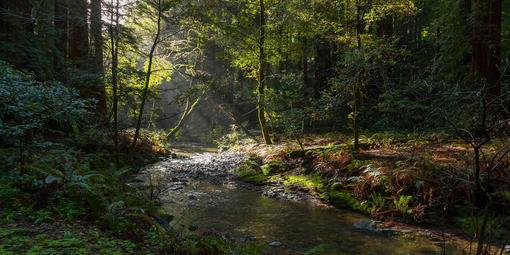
396 111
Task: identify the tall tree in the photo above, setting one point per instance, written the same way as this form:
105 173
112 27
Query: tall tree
261 74
486 57
78 32
45 31
157 5
114 47
96 54
62 30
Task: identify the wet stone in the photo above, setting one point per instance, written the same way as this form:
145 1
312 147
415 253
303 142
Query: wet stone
275 244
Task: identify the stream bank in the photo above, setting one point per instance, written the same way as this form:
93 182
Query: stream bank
206 195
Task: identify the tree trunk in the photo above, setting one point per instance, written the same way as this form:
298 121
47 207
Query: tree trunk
307 88
78 33
46 37
18 25
357 89
5 27
262 79
148 75
231 115
62 37
323 65
96 55
114 41
185 115
486 58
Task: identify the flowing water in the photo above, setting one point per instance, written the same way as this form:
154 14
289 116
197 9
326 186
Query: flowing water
290 227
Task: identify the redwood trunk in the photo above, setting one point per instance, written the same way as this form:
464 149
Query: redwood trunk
486 58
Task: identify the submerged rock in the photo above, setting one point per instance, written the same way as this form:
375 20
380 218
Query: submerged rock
275 244
368 225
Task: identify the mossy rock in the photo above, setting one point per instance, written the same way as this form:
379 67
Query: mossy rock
250 171
310 182
273 167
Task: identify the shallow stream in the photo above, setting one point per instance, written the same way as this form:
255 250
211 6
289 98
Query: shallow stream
288 227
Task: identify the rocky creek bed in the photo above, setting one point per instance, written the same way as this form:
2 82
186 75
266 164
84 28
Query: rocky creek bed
176 173
204 192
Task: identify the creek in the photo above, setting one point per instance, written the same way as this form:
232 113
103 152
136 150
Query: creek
203 194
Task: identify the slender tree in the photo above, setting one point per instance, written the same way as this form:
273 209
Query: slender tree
114 43
357 87
148 73
188 110
261 75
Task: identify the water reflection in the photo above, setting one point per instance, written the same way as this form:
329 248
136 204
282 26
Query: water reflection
298 226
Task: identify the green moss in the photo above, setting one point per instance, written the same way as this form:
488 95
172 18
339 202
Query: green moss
311 182
273 167
255 178
250 171
343 198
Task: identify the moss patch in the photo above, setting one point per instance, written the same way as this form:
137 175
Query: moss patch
250 171
313 182
273 167
346 199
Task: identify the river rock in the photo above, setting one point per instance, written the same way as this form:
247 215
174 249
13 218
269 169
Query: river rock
337 186
275 244
368 225
507 249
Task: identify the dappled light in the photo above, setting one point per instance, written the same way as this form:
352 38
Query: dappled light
255 127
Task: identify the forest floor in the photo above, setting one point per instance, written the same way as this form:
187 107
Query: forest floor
59 237
408 181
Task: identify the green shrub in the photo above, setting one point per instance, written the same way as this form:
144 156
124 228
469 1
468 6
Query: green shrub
250 170
343 198
29 106
402 205
378 202
272 167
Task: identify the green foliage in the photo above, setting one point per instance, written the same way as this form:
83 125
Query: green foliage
346 199
229 140
378 203
250 170
28 106
22 240
357 164
402 204
314 183
211 244
273 167
497 225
